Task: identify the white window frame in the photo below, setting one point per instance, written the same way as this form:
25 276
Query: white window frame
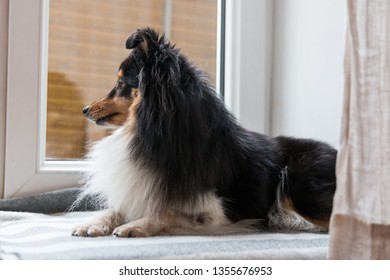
26 170
247 65
3 85
248 62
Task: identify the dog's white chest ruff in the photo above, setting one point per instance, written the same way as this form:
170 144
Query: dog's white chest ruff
121 184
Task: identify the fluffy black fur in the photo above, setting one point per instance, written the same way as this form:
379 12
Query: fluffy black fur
185 134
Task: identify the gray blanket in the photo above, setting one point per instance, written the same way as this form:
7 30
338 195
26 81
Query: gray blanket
47 203
39 227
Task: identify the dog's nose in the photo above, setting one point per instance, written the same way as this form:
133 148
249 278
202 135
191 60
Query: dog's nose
85 110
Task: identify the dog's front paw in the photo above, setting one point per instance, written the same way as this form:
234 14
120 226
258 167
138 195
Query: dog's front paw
129 230
91 230
139 228
101 226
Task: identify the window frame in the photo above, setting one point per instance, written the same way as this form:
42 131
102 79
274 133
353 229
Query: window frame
248 62
3 85
26 170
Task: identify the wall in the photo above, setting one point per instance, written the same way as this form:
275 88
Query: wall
308 50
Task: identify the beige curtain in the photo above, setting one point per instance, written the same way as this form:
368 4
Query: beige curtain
360 224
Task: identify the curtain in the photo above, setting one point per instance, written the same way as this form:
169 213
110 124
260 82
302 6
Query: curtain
360 223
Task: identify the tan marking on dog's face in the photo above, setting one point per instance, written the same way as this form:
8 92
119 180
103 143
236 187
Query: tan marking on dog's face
113 111
120 74
109 111
133 110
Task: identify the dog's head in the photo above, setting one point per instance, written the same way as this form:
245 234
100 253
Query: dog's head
148 50
113 109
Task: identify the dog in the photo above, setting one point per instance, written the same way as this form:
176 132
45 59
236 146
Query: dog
179 163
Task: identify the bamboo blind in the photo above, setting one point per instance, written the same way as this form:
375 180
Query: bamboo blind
86 46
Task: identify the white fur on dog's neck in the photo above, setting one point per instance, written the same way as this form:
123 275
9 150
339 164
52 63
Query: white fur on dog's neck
120 183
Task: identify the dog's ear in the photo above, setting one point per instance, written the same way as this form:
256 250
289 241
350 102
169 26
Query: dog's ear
143 39
134 40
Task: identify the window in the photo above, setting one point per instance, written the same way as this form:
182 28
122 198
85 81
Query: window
50 70
86 45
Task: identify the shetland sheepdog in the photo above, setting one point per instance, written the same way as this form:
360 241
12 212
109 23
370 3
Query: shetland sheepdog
179 163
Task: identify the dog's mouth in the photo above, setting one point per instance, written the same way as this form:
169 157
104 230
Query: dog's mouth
104 120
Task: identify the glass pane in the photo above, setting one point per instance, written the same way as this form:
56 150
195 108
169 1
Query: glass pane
86 46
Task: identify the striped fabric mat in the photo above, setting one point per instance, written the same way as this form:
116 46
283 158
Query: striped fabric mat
25 235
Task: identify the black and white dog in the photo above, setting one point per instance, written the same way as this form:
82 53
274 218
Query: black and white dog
179 163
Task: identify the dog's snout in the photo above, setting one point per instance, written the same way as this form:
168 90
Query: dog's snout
85 110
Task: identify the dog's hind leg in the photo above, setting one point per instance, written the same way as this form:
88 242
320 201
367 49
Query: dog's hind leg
104 225
284 215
